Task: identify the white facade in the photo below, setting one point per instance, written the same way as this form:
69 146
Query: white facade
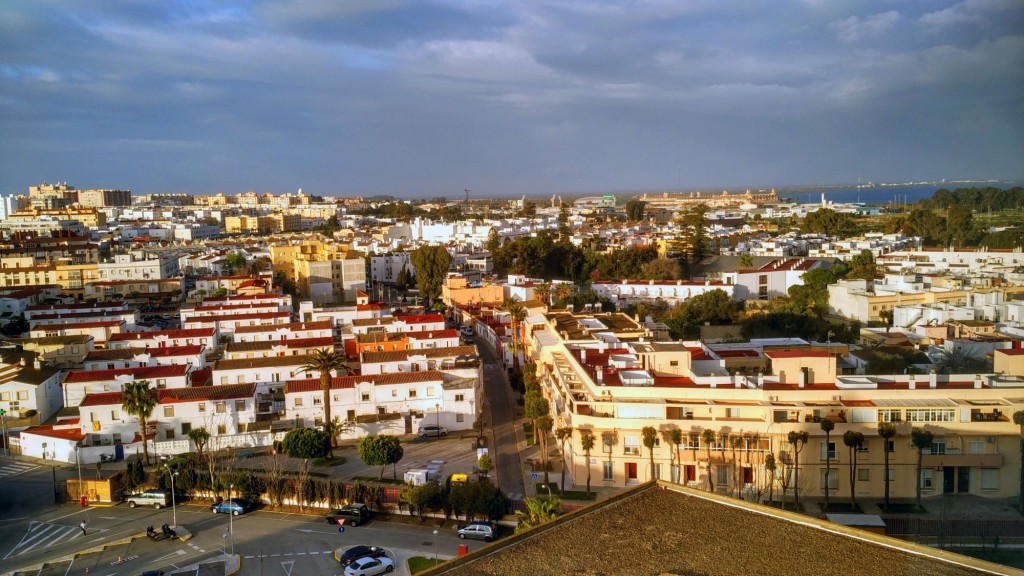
139 266
671 291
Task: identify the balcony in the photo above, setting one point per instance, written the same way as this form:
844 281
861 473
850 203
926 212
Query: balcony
993 460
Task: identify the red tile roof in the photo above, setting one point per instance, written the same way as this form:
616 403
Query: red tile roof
797 353
170 334
1011 351
432 334
737 353
339 382
201 377
97 324
178 395
237 317
141 373
50 431
292 326
420 318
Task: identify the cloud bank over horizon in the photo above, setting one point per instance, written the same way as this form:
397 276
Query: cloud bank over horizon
426 98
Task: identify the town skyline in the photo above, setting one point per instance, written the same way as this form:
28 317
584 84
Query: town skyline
427 99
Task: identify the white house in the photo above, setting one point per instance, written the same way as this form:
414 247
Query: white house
770 280
284 347
281 332
80 383
214 310
622 292
433 339
163 338
265 373
423 359
29 390
226 324
117 358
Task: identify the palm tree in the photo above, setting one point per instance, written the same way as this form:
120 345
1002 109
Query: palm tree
563 434
827 426
886 431
544 291
199 436
921 440
323 362
1018 419
746 260
707 438
544 425
538 511
798 440
517 314
587 441
676 436
563 291
650 437
853 440
769 467
139 400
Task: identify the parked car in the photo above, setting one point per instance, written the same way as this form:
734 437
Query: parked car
234 506
426 431
466 332
153 573
478 530
353 514
356 552
370 566
155 498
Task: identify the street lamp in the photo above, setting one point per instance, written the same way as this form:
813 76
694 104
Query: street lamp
231 515
78 461
549 491
437 417
435 547
174 506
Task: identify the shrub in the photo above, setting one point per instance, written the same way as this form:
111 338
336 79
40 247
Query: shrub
306 443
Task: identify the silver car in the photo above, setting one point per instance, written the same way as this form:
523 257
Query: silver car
478 530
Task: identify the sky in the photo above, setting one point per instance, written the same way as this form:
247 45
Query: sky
426 98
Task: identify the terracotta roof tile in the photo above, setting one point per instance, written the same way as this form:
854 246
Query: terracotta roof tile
169 334
340 382
429 353
142 373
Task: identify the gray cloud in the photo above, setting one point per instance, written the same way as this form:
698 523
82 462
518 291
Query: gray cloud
428 98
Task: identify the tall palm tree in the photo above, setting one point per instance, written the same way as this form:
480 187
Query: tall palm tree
707 438
517 313
649 437
563 291
827 426
538 511
853 440
199 436
563 434
587 441
921 440
139 400
323 362
798 440
886 431
544 425
1018 419
676 436
543 290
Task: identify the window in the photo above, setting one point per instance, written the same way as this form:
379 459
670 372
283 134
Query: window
222 407
365 396
890 445
317 401
412 392
828 451
976 447
862 415
762 279
926 479
723 476
298 402
394 393
673 363
185 428
892 474
22 394
222 429
607 472
223 379
168 411
833 478
5 396
161 383
459 417
931 415
430 391
169 433
890 415
239 405
117 437
460 397
202 406
114 415
864 474
657 470
989 478
631 446
938 448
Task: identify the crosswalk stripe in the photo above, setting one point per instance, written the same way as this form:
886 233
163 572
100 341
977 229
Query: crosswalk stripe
16 468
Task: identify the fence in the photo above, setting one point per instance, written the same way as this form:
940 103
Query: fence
955 531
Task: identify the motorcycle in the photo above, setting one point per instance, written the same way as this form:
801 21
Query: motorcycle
107 458
165 533
168 531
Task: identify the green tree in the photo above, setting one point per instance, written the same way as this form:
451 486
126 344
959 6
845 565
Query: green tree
538 511
649 436
635 210
234 263
544 425
707 438
746 260
587 441
306 443
323 362
139 400
798 440
854 441
563 434
381 451
517 313
402 279
863 267
420 497
1018 419
827 426
661 269
200 437
828 221
676 437
483 464
770 466
536 406
431 264
959 226
564 230
921 440
691 244
886 431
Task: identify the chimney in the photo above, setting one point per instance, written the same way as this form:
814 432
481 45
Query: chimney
583 355
912 383
933 379
802 378
977 380
760 380
38 365
739 380
600 375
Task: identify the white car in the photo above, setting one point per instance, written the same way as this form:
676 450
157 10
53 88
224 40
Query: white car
428 431
370 566
466 332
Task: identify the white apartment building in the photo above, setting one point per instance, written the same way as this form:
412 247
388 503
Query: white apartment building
101 331
625 292
80 383
269 373
386 267
284 332
206 337
270 348
120 358
226 324
29 391
770 280
188 313
139 266
446 359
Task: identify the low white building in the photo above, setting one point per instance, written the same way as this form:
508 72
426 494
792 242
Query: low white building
416 360
770 280
29 390
282 332
206 337
118 358
624 292
80 383
265 373
227 324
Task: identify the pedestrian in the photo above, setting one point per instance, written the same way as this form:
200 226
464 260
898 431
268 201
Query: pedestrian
82 526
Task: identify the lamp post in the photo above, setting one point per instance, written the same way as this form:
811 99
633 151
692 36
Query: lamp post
78 461
174 506
435 547
231 515
3 421
437 417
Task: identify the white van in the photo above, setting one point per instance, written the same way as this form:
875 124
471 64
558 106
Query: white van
155 498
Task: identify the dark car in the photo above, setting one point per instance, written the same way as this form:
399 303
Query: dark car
234 506
353 514
357 552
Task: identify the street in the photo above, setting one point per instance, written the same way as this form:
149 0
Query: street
501 417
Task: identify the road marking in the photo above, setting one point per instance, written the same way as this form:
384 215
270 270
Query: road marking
16 468
46 534
287 567
172 555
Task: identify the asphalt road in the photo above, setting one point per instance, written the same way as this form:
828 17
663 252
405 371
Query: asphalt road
500 407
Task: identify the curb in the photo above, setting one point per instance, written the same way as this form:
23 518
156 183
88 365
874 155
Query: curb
75 555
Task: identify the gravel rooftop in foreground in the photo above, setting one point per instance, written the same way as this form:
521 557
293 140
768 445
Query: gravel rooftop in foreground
664 529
